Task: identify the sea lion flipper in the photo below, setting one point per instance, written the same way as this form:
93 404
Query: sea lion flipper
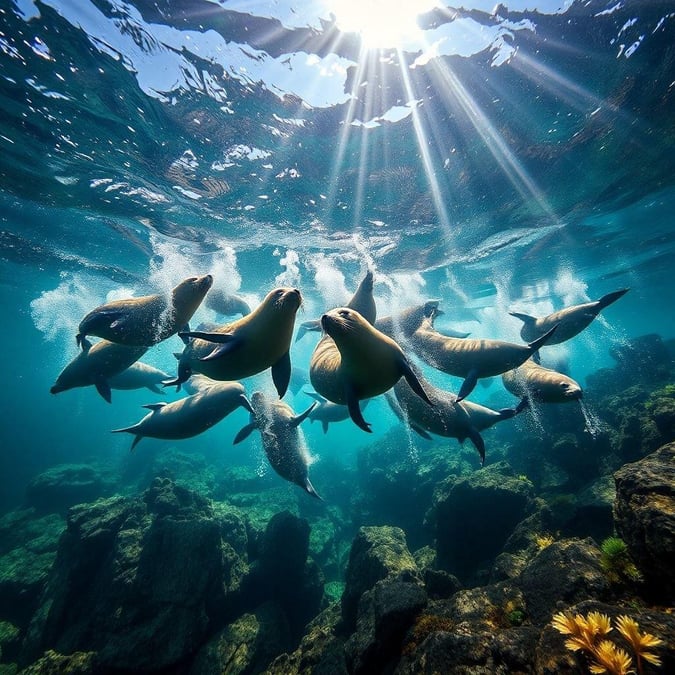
536 357
209 336
103 388
307 326
298 419
244 433
524 403
154 388
309 488
324 426
422 432
355 410
245 403
394 405
525 318
412 380
154 406
468 385
478 441
313 394
540 342
281 374
222 349
135 442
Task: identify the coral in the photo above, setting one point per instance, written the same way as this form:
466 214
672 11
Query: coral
424 626
588 635
616 562
543 540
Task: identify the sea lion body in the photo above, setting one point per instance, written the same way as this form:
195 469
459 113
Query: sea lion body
570 321
447 417
147 320
356 361
247 346
227 304
470 358
281 439
96 365
191 415
137 376
541 384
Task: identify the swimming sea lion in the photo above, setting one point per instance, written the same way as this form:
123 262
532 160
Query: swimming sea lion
570 321
246 346
327 411
147 320
362 301
356 361
541 384
470 358
447 417
401 326
281 439
191 415
137 376
96 365
227 304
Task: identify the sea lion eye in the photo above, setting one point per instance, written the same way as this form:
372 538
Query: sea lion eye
191 280
279 293
344 312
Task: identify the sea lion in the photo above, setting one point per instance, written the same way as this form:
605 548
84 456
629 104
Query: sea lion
147 320
327 411
247 346
447 417
541 384
137 376
227 304
470 358
362 301
401 326
570 321
281 439
191 415
96 365
356 361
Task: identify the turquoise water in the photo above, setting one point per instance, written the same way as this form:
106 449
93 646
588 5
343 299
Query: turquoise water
520 159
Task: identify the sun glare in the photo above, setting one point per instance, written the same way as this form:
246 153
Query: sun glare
380 23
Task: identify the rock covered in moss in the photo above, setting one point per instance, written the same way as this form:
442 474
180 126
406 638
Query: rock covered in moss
60 487
136 580
28 544
567 571
377 553
247 645
53 663
475 515
644 513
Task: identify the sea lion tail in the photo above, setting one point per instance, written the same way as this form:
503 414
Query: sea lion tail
477 440
611 297
540 342
307 326
132 430
508 413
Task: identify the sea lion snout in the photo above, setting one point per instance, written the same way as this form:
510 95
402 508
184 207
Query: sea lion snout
206 281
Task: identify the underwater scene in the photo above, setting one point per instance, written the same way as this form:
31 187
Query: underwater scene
339 337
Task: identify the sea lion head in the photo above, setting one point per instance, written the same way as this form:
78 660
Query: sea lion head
191 291
282 300
342 321
570 391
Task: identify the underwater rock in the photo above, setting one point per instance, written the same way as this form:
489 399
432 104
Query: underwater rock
321 651
137 581
9 641
64 485
28 546
245 646
553 658
384 615
377 553
644 513
474 517
284 573
646 356
53 663
593 513
567 571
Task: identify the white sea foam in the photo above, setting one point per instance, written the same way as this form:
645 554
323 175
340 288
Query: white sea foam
290 277
329 281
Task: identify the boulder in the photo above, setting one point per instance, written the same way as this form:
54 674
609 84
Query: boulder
62 486
567 571
474 517
377 553
644 513
137 581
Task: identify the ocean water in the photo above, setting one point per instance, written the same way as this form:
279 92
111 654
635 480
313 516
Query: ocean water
510 158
